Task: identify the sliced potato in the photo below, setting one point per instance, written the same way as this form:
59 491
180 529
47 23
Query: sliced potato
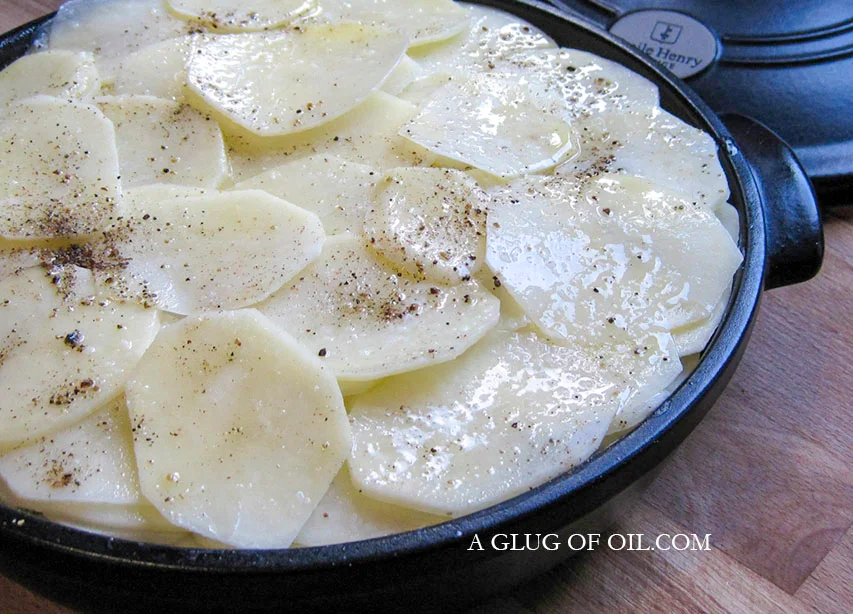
67 349
645 405
512 317
592 84
16 256
367 135
367 320
88 462
114 520
346 515
59 175
241 15
622 256
162 141
159 69
730 219
218 250
495 123
661 369
489 35
63 74
429 222
337 191
239 431
419 21
693 339
402 76
655 145
267 83
507 415
113 29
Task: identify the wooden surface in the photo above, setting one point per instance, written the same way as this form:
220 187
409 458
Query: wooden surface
769 473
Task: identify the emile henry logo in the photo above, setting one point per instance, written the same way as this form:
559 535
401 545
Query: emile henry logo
668 57
681 43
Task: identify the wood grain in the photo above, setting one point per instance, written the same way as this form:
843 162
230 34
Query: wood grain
768 473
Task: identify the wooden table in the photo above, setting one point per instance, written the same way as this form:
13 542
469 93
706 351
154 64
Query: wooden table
769 473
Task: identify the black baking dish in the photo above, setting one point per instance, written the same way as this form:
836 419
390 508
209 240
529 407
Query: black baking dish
432 568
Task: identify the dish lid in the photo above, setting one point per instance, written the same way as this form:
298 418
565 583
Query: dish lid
788 65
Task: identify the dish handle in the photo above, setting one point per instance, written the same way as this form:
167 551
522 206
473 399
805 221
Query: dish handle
792 217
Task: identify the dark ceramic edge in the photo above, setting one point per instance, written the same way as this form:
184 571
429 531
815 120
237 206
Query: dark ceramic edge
49 536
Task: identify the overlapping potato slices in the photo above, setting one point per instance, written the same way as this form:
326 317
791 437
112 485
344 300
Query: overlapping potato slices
85 473
401 77
490 35
336 191
113 29
648 142
162 141
495 123
345 515
693 338
510 413
590 84
238 429
367 135
367 319
159 69
429 222
59 172
242 15
67 348
220 219
620 256
63 74
16 256
419 21
266 83
186 250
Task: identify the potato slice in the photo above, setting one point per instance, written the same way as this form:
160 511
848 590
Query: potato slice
277 84
337 191
623 255
400 78
113 29
429 222
63 74
367 135
418 21
693 339
367 320
162 141
512 317
652 144
59 176
110 519
239 431
84 474
346 515
158 70
592 84
730 219
67 349
15 256
506 416
218 250
242 15
495 123
490 34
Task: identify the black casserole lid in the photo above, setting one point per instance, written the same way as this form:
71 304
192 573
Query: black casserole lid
787 64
